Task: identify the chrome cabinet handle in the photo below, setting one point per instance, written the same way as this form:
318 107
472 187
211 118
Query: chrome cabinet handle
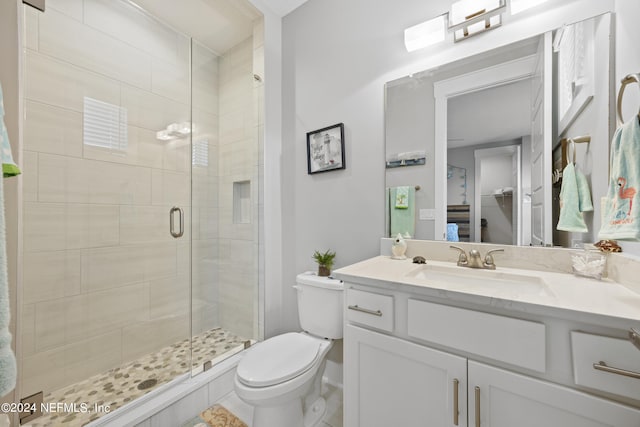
601 366
477 406
455 401
172 231
365 310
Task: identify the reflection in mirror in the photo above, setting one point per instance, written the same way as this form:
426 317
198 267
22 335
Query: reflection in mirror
489 167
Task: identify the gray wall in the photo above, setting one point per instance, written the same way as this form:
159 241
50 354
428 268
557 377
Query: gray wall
337 56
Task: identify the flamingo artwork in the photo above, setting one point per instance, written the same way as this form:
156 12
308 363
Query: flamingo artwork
626 193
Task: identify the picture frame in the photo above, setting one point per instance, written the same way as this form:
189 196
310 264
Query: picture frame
325 149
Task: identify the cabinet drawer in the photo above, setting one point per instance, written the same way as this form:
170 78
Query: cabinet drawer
367 308
515 341
605 352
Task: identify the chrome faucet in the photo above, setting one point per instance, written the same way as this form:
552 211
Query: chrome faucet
474 260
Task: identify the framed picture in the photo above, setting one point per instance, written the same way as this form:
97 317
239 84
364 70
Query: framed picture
325 149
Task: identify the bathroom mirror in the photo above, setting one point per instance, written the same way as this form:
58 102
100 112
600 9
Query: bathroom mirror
492 127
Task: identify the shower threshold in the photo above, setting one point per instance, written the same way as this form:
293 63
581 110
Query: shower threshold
103 393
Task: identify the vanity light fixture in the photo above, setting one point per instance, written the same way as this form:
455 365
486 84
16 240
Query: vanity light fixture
471 17
425 34
465 19
174 131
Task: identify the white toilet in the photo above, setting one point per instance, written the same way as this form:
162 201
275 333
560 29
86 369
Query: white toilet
281 377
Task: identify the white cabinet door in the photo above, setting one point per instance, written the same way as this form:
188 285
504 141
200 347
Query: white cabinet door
507 400
392 382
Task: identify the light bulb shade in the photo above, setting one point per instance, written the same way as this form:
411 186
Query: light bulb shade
425 34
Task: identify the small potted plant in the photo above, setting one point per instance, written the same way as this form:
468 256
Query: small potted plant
325 262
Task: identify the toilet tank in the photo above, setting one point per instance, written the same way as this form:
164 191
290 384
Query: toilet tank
320 305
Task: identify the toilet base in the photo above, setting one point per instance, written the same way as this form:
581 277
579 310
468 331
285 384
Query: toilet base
287 415
290 415
315 413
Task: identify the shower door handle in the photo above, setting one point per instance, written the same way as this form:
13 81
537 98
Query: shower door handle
172 229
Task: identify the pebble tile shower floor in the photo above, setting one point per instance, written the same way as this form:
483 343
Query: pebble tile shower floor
119 386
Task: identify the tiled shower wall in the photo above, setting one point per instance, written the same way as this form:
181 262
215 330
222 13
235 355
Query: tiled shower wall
104 282
240 162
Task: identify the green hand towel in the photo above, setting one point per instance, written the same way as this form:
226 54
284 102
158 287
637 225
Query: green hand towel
402 220
402 197
584 193
570 215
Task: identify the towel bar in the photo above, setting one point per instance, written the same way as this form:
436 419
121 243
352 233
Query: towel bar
631 78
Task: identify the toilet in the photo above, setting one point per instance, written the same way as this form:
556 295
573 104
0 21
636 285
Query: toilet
281 377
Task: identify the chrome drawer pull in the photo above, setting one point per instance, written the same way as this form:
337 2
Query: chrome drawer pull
601 366
365 310
477 393
455 401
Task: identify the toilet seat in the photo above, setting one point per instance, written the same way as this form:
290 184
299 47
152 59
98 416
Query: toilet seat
278 359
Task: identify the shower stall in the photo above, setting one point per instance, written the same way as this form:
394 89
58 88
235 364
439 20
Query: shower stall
141 204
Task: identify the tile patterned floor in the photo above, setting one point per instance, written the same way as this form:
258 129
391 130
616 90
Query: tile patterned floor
119 386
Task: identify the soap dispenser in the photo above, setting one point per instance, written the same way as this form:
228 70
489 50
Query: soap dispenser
399 247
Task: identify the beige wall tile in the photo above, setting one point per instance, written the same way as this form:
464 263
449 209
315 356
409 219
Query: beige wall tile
30 176
169 297
28 329
44 227
236 302
113 267
64 321
170 188
63 179
71 8
205 79
132 26
171 80
143 338
150 111
50 275
144 224
53 369
67 39
54 82
55 226
258 33
49 129
31 28
205 191
118 184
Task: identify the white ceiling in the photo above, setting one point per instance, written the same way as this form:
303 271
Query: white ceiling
497 114
218 24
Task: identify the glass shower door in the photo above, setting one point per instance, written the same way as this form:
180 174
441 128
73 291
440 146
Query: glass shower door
105 301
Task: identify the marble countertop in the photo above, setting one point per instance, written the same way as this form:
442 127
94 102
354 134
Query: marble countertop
532 291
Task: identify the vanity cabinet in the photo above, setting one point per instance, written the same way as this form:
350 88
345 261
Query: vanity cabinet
393 382
389 380
499 398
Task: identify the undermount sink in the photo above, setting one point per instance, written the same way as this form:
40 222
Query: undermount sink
466 279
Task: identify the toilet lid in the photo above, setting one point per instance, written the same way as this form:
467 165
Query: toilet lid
278 359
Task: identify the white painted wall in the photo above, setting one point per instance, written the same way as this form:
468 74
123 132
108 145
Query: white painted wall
336 58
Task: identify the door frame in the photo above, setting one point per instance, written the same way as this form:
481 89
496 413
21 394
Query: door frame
486 78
